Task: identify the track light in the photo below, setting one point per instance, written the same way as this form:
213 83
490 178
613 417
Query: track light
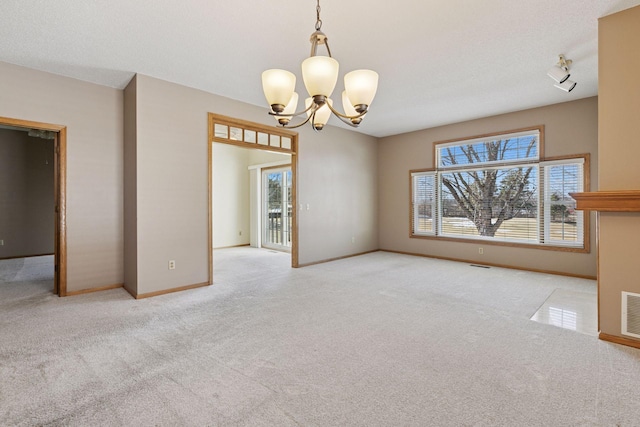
560 74
567 85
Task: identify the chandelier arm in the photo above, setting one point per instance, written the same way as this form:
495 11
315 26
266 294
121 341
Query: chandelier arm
313 121
348 122
292 114
301 124
337 113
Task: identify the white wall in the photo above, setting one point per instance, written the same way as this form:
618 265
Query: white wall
230 196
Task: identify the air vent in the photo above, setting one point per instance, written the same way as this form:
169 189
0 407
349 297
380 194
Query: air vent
631 314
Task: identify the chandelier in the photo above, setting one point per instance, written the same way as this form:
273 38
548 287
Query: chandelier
320 74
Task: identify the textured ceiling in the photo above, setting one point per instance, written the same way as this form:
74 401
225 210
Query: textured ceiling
439 62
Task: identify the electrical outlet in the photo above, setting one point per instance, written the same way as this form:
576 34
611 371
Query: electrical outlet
353 239
1 242
240 233
172 265
480 251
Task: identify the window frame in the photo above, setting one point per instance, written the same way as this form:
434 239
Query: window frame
412 208
540 163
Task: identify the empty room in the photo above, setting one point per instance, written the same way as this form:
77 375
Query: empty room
319 213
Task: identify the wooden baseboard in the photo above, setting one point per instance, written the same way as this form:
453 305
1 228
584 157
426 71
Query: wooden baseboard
91 290
619 340
489 264
169 291
336 259
24 256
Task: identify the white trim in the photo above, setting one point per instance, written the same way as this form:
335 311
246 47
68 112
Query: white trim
574 161
270 164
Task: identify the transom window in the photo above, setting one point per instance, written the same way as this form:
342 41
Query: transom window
498 188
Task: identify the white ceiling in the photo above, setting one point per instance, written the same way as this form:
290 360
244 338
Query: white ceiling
440 61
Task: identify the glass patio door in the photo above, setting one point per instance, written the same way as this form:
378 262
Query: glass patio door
276 197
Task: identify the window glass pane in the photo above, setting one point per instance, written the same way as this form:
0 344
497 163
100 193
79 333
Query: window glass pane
564 223
249 136
236 134
286 142
263 138
497 203
274 140
221 131
423 203
509 148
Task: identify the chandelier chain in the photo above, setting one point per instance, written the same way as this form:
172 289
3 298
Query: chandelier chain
318 20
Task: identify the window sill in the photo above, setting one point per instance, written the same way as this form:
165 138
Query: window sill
483 242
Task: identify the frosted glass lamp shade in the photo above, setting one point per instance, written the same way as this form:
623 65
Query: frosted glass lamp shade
290 108
347 105
349 110
361 86
278 86
320 75
322 114
558 74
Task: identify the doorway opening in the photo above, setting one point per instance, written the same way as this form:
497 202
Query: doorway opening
246 160
277 208
43 219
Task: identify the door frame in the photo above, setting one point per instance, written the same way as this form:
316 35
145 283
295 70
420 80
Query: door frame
284 168
243 125
60 196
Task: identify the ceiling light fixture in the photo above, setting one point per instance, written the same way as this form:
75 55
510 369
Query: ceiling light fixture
560 73
320 74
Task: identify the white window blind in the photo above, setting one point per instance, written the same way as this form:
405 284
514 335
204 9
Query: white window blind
562 224
505 148
499 203
423 202
497 188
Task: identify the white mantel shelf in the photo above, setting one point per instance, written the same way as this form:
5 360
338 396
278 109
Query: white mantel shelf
608 201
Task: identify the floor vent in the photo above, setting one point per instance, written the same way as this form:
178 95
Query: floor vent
479 266
631 314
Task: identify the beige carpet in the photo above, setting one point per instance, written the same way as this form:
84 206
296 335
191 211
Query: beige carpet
376 340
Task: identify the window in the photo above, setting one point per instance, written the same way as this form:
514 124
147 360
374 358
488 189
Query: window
499 188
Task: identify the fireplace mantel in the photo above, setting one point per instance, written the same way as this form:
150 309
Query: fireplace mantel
608 201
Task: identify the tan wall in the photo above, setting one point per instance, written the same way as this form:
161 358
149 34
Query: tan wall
93 116
337 178
570 128
619 147
26 194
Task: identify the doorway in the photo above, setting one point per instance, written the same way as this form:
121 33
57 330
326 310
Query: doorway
259 138
277 210
55 135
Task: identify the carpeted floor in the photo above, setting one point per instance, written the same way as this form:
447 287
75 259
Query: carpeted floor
376 340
